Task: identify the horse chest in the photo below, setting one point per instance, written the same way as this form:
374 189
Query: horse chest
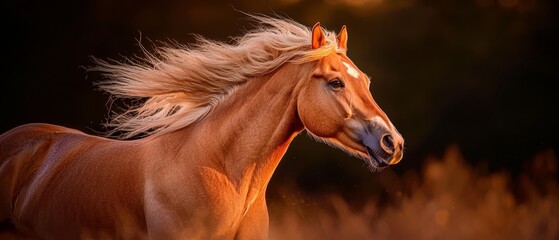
208 203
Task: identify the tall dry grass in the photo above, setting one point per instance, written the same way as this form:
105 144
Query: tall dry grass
447 199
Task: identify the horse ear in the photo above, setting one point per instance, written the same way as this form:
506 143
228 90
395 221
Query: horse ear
318 38
342 38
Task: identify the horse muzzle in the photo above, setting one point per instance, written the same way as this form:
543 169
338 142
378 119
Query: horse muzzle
384 147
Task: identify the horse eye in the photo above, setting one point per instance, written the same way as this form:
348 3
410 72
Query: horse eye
336 84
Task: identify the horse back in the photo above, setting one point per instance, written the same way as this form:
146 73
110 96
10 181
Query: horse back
22 150
48 173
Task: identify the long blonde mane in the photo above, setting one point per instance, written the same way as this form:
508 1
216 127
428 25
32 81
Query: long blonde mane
177 85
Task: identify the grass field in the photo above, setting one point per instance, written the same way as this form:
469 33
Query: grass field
446 199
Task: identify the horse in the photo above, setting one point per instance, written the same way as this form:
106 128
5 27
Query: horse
192 157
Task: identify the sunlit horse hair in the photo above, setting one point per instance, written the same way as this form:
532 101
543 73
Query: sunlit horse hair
182 84
197 152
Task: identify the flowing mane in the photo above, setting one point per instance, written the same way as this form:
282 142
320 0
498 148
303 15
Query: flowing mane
178 85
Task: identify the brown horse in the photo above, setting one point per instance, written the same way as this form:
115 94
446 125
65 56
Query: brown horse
215 122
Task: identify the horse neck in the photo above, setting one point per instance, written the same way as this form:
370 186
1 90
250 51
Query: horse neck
246 135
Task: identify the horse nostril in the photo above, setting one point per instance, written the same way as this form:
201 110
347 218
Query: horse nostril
387 143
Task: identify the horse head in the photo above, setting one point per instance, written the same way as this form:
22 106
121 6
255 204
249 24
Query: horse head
336 106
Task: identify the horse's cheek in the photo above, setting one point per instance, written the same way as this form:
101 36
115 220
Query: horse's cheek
315 116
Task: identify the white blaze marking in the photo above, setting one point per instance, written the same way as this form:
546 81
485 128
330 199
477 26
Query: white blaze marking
351 71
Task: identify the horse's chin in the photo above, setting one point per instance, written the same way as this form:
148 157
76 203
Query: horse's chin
374 161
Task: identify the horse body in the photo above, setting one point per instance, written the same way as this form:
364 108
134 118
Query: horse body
204 180
88 185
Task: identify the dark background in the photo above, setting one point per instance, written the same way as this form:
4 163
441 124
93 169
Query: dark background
478 74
